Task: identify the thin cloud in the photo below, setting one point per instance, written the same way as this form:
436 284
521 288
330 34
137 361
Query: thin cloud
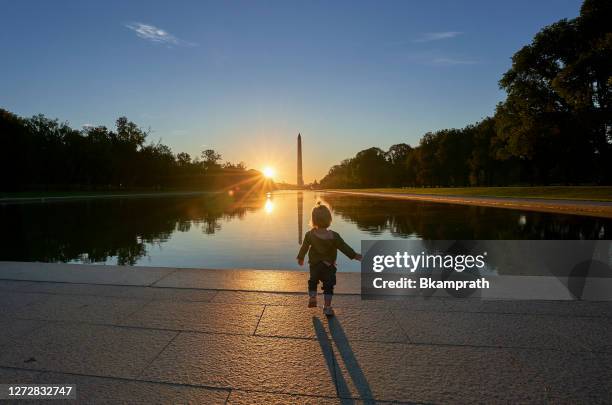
452 62
436 36
157 35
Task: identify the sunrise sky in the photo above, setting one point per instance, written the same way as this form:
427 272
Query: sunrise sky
244 77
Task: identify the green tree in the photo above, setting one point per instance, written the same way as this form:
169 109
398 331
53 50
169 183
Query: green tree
371 168
183 159
130 134
557 117
210 159
397 156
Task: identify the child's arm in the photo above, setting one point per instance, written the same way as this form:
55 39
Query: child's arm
303 250
346 249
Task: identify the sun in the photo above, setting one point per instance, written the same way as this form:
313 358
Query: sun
268 172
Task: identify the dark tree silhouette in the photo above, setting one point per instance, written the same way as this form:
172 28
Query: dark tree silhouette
42 154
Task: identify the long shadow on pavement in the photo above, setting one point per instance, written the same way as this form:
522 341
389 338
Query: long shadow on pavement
348 357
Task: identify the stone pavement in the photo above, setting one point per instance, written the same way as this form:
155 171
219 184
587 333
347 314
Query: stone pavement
162 344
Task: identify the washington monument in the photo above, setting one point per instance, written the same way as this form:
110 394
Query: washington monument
300 178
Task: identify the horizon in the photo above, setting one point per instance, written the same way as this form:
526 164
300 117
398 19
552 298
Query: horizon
212 76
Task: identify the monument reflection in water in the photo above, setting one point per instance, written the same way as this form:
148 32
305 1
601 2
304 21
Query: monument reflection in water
254 232
300 213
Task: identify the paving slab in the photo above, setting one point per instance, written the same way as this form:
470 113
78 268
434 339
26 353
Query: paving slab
561 308
197 316
591 333
13 329
487 329
148 293
13 285
292 366
253 280
175 294
86 349
11 302
355 322
416 349
405 303
250 397
428 374
16 376
261 298
112 391
339 300
571 378
82 273
300 299
103 390
526 288
77 308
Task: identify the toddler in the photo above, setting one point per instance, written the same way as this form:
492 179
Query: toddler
322 245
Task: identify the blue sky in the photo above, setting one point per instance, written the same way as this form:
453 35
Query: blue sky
244 77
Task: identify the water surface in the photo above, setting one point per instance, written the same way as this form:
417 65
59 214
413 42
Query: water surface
253 232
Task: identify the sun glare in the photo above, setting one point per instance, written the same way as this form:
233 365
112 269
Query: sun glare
268 172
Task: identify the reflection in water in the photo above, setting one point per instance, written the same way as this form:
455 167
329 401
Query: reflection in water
203 231
269 205
413 219
300 214
92 231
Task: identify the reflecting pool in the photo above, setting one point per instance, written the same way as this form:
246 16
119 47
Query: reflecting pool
261 232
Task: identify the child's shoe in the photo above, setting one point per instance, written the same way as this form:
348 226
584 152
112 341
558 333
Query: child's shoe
328 311
312 302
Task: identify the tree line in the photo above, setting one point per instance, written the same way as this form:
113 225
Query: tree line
39 153
554 127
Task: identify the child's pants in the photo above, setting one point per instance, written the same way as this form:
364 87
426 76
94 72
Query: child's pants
324 273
